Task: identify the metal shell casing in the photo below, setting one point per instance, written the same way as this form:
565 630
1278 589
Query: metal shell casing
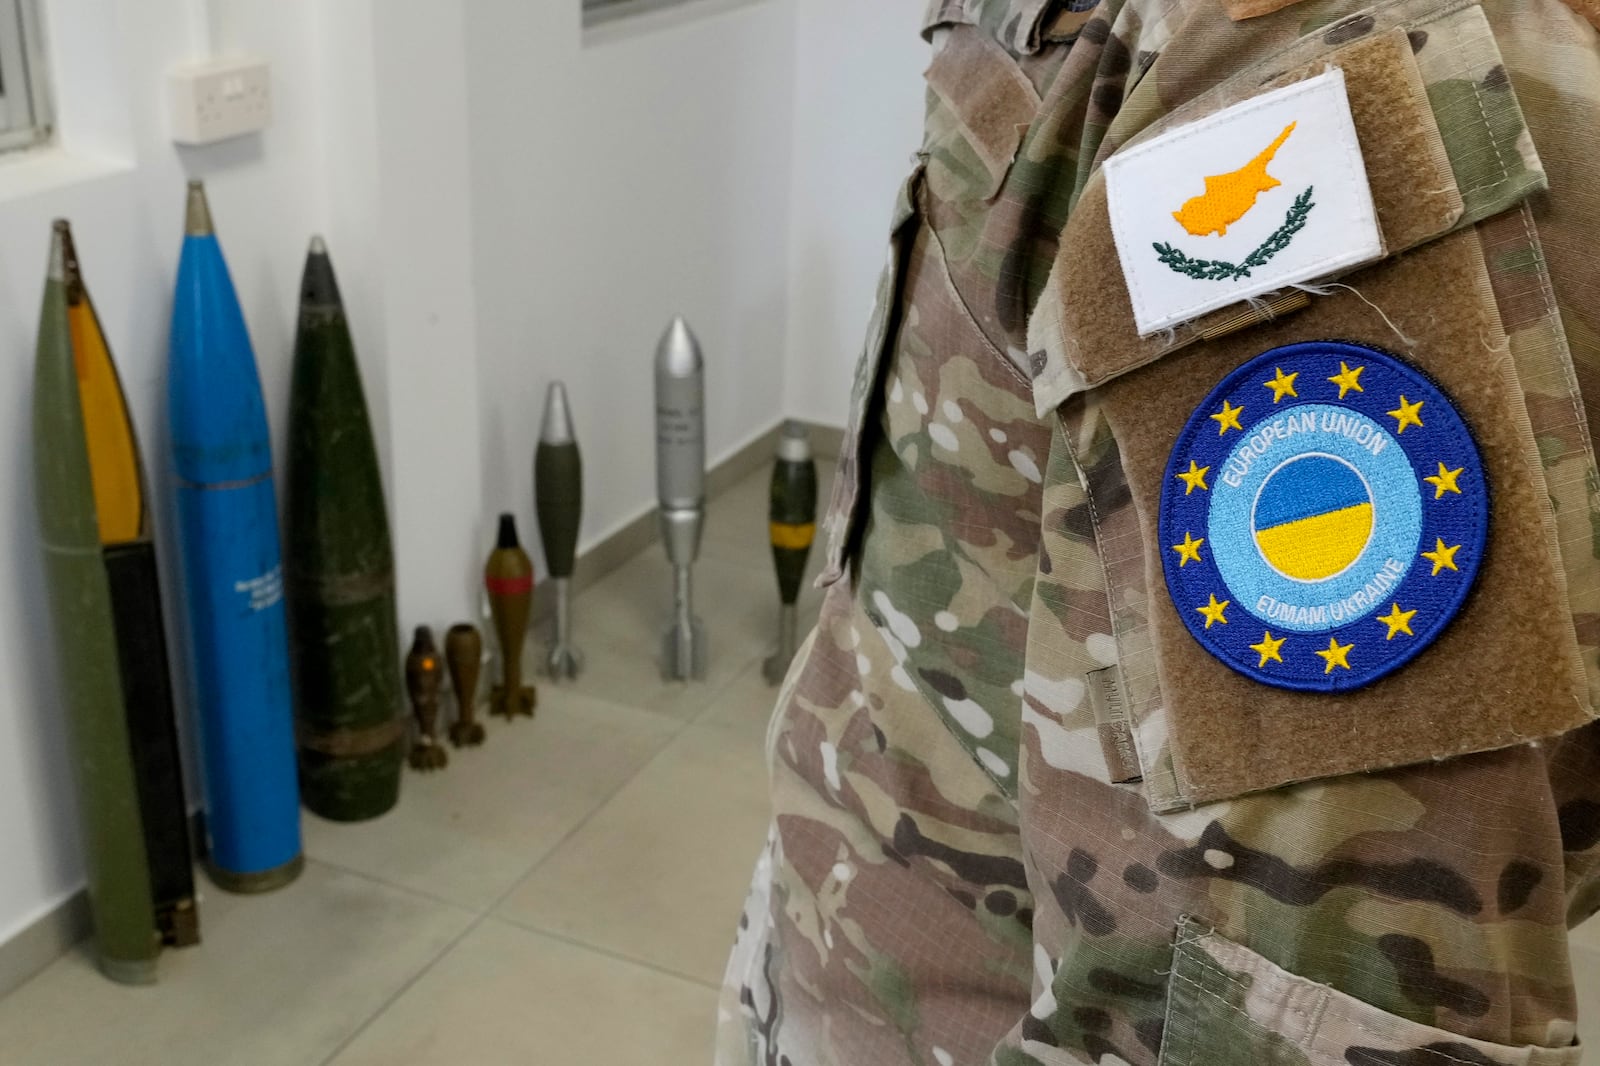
344 634
228 514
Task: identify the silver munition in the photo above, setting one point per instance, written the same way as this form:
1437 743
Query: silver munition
681 488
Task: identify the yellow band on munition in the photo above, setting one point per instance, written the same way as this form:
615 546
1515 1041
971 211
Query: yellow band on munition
785 535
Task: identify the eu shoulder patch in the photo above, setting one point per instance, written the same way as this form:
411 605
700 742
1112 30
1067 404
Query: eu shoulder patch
1267 193
1323 516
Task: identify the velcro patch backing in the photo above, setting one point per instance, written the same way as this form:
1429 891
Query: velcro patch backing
1505 671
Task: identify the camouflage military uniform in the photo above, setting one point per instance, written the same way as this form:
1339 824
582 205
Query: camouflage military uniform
987 845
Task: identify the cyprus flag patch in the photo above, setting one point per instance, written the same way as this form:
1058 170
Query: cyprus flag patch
1268 193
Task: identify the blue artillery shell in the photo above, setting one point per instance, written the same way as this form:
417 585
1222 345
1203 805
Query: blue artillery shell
228 513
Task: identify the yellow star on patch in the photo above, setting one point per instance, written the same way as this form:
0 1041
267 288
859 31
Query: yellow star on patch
1336 655
1213 611
1407 414
1282 385
1228 418
1445 481
1348 379
1441 557
1195 478
1398 621
1189 550
1270 650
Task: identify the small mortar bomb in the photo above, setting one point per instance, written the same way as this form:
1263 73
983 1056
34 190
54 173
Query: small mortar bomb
793 527
508 577
423 678
463 654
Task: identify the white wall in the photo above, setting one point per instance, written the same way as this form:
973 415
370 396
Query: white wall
857 121
121 183
614 185
535 207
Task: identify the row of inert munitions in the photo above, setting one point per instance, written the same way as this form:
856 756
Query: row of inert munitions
333 690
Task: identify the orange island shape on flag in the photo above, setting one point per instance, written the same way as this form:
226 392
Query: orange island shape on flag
1229 197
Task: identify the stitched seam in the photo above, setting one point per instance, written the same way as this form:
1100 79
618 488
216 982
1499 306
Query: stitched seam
1483 118
1118 631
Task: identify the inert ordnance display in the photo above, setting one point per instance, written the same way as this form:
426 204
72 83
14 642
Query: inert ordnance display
344 635
681 488
222 460
423 678
463 656
792 517
114 843
558 499
508 578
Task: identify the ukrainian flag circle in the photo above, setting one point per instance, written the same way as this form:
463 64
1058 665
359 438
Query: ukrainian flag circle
1313 517
1323 517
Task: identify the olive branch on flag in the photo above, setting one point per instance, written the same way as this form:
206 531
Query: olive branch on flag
1222 270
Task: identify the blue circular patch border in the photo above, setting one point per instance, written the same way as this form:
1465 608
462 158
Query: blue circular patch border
1458 519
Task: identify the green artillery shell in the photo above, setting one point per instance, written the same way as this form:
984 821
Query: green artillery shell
793 511
116 469
86 643
345 638
508 578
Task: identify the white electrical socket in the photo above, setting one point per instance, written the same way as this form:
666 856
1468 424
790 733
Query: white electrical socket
215 101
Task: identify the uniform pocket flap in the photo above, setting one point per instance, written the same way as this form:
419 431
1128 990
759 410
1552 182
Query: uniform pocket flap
985 103
1443 142
1229 1004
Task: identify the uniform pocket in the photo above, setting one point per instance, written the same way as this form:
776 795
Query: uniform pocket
840 521
1226 1005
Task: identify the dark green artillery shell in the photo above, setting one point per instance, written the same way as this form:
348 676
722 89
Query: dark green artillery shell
558 497
153 736
344 633
91 688
793 515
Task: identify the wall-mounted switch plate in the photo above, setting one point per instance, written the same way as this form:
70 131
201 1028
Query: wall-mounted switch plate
214 101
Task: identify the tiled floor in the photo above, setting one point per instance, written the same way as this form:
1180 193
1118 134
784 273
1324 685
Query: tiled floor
564 895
